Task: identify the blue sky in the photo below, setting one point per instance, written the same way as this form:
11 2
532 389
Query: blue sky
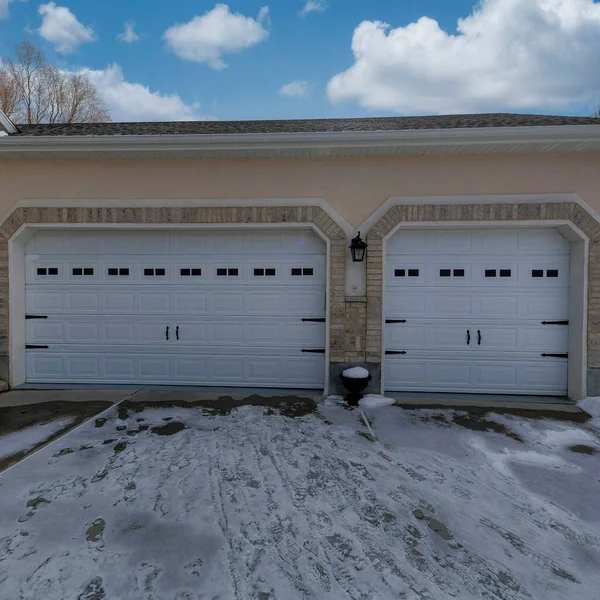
199 59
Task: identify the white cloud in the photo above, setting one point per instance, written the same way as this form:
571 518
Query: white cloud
295 89
208 37
4 8
129 35
313 6
128 101
61 27
508 54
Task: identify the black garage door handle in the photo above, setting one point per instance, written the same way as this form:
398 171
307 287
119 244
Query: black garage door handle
167 333
468 336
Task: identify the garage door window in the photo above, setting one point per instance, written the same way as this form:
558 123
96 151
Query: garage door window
265 272
404 272
452 272
190 272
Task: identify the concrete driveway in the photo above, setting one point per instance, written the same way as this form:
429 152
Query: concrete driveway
267 498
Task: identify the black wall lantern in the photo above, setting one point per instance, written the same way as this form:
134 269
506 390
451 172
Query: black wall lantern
358 249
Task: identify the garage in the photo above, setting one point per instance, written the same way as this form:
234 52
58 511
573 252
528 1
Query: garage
208 307
477 311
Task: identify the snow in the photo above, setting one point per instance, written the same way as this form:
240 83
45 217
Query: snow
3 134
253 504
373 401
356 373
27 439
592 407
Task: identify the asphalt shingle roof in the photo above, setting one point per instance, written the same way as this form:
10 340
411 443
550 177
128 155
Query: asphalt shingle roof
304 126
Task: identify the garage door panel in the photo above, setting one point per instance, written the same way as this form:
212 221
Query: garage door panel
497 306
496 242
551 374
42 367
306 304
44 332
406 304
232 302
151 332
84 366
191 369
498 375
82 302
544 338
446 305
229 368
304 335
263 370
154 302
191 332
453 374
119 302
297 370
227 333
451 242
543 241
120 368
82 332
44 301
406 336
548 306
82 244
263 303
156 368
196 303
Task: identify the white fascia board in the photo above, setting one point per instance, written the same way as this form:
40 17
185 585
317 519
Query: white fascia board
7 125
171 144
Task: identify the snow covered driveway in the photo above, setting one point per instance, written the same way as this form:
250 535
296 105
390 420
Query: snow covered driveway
189 503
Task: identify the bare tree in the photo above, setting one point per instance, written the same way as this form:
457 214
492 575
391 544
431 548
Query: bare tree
32 91
8 93
596 113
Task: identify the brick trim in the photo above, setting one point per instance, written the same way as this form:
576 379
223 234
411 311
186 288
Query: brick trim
177 215
534 211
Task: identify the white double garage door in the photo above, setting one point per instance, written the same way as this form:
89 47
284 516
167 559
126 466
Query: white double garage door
482 311
226 308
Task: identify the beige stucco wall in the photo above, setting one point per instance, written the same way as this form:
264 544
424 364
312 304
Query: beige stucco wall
354 187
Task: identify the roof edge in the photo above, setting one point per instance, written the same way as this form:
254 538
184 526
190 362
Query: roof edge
174 143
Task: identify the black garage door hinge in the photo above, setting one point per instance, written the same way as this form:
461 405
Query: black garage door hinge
319 320
314 350
555 322
395 352
36 316
555 355
34 347
395 320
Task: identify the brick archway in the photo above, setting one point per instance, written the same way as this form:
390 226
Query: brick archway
509 212
177 215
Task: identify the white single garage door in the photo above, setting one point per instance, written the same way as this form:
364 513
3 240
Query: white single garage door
226 308
482 311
